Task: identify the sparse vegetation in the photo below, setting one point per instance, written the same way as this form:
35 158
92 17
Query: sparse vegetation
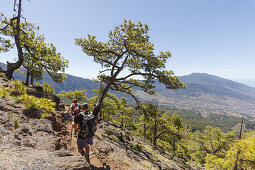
137 147
108 132
32 102
15 123
4 92
46 114
47 88
17 88
10 113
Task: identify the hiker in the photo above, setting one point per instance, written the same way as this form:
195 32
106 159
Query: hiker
87 126
75 108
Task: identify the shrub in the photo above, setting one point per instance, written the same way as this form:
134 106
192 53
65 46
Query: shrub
32 102
108 132
46 114
10 113
16 123
137 147
47 88
2 74
4 92
18 88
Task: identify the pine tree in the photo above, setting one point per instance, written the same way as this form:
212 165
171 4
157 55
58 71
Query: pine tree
128 49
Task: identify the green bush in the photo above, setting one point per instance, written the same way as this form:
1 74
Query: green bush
32 102
2 74
16 123
108 132
46 114
137 147
47 88
4 92
10 113
18 88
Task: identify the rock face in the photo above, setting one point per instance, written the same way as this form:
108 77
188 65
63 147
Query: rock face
35 144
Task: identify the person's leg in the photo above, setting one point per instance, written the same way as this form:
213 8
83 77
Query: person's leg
88 142
87 148
74 126
81 144
81 151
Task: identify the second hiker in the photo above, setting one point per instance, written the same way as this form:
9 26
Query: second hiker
75 108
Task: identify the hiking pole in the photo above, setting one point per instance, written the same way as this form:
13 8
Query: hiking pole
104 164
71 136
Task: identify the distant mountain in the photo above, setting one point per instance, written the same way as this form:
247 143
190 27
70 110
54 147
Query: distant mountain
199 84
205 93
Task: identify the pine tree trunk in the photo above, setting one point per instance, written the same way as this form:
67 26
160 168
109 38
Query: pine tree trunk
101 99
27 77
32 79
11 67
155 131
238 149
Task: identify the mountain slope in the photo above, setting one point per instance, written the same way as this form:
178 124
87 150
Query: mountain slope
206 94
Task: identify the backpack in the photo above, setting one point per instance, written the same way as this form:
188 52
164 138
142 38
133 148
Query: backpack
76 108
88 126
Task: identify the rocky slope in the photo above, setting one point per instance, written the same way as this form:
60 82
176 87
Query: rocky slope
43 143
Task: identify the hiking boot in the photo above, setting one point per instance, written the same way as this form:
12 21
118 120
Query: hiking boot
87 158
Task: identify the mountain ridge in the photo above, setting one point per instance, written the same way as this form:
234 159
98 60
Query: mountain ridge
205 93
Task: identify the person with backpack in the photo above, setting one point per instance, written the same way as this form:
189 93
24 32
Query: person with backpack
75 108
87 127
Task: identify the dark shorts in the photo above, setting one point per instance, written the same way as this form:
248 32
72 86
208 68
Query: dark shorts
82 142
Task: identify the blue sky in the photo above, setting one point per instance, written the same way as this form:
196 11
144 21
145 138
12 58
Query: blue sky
209 36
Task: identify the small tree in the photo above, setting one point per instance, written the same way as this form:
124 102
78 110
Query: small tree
211 141
241 155
33 53
14 27
128 49
125 113
80 95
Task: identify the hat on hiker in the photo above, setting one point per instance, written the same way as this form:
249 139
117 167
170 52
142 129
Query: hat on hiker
75 100
85 105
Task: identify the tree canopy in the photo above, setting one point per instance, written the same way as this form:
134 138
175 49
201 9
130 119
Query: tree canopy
128 48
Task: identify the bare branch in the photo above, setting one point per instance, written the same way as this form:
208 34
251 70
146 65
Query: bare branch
15 4
122 90
100 72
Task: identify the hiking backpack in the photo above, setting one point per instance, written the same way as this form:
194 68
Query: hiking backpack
76 108
88 127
